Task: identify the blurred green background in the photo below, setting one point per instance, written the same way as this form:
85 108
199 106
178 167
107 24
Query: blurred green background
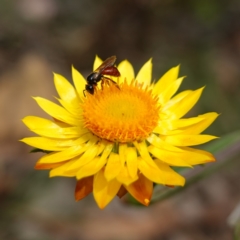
38 37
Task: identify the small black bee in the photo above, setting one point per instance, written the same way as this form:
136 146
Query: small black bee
106 68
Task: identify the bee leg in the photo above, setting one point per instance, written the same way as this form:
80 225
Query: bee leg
102 83
95 88
109 79
115 84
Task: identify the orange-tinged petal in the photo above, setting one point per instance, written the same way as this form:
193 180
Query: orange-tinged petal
79 82
43 166
126 70
113 167
66 91
61 170
145 74
83 188
104 191
124 176
91 168
56 111
188 140
169 77
170 176
122 191
141 189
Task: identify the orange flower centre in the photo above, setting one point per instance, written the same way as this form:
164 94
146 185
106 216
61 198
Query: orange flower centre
123 114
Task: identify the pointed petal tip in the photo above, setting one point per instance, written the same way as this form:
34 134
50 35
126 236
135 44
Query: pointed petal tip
73 68
183 182
56 75
101 204
146 201
177 66
212 160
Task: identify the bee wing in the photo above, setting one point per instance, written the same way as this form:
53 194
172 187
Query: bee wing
107 63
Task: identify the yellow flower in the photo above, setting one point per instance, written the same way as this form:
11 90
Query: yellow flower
120 139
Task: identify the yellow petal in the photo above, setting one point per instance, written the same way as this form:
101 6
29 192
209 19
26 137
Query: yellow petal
145 73
103 190
97 62
67 154
197 156
43 166
91 168
79 82
101 146
122 152
126 70
56 111
76 111
188 140
48 143
166 127
197 128
174 155
107 150
90 152
158 142
176 109
65 90
131 160
125 178
150 171
170 91
161 174
60 171
83 188
113 166
142 149
47 128
172 158
141 190
169 175
169 77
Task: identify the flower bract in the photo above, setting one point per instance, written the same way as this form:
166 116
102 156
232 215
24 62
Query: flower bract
125 137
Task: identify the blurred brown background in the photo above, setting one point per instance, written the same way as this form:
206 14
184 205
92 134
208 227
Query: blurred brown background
38 37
